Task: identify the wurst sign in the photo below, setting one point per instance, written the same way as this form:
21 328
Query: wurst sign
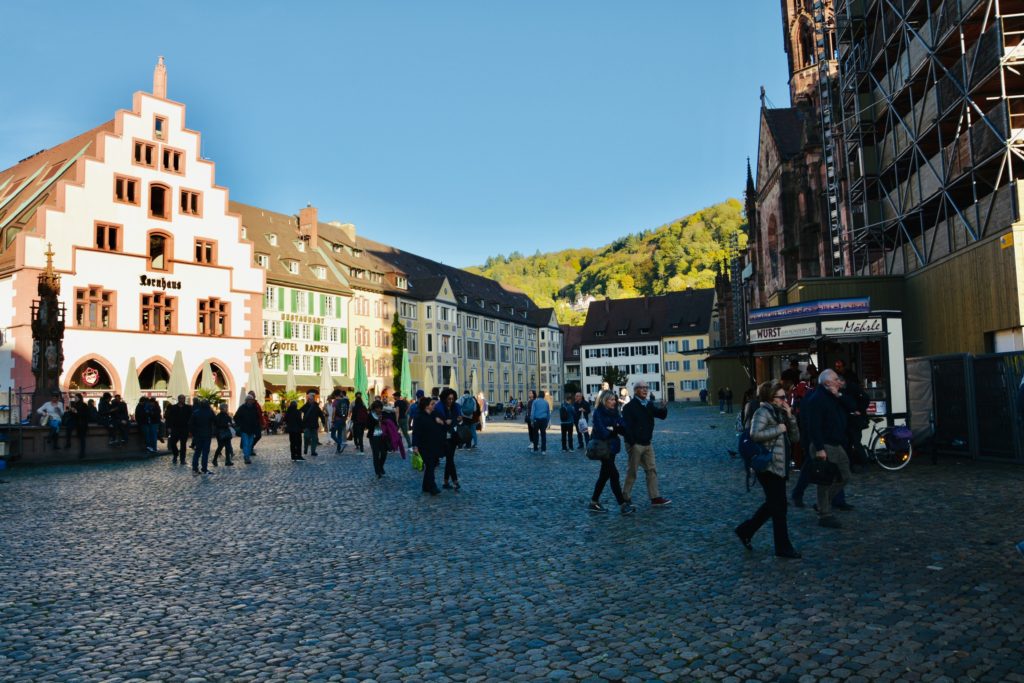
782 332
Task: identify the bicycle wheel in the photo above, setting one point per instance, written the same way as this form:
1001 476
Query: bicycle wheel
890 454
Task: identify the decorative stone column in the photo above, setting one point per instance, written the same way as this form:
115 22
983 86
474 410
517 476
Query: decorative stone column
47 334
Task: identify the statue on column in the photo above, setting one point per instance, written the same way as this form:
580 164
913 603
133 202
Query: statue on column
47 334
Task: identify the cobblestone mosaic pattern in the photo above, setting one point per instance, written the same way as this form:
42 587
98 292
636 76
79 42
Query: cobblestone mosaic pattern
316 571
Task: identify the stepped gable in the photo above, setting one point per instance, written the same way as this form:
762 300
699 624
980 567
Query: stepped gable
426 275
31 182
649 318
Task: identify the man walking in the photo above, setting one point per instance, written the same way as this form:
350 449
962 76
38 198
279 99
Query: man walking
639 414
566 417
581 418
402 411
825 417
469 410
201 427
178 416
247 422
312 417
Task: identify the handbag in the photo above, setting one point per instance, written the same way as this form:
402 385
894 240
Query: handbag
417 462
599 449
582 425
822 472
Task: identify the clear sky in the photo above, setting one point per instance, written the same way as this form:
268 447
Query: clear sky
454 129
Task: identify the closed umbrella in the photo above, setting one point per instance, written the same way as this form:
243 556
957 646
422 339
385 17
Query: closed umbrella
453 381
132 390
206 382
406 387
256 379
474 382
177 385
360 377
326 381
429 380
289 380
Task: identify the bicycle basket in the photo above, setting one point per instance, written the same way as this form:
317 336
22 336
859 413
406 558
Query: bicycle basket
900 437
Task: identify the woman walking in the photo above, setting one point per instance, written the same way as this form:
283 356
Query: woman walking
378 444
606 426
428 440
359 417
293 426
530 398
447 415
774 426
222 428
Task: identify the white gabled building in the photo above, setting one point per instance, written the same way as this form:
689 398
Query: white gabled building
151 260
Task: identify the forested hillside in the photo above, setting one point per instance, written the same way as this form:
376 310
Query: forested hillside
670 258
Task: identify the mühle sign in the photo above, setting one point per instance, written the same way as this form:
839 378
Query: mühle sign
860 326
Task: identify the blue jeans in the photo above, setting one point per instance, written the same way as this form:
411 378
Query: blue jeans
248 441
202 450
149 433
54 425
474 428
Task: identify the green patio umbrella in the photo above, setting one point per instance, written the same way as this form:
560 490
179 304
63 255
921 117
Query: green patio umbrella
326 381
132 390
406 387
177 385
360 376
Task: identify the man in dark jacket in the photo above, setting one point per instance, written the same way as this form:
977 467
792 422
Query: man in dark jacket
247 422
178 416
312 417
118 417
200 425
825 419
639 414
147 416
582 410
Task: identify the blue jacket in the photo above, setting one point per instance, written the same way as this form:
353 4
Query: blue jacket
540 410
824 418
606 426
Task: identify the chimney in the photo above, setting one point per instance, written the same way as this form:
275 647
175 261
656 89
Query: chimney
308 224
160 79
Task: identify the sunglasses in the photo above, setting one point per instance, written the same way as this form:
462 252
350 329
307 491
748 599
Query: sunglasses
779 396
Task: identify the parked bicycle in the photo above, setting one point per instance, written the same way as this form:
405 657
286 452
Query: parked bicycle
890 447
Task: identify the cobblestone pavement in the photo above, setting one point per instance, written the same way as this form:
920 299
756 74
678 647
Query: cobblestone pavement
316 571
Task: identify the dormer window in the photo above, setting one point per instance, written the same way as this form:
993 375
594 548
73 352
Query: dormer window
524 314
245 233
497 307
480 303
645 330
300 245
401 282
337 248
599 333
320 272
357 272
292 266
272 238
357 252
622 333
262 260
465 299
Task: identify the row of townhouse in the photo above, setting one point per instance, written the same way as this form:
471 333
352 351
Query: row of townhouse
660 340
155 260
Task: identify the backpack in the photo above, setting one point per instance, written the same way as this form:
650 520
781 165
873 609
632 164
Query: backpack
756 458
467 405
563 413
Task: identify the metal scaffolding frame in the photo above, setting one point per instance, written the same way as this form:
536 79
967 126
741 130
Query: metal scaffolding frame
932 126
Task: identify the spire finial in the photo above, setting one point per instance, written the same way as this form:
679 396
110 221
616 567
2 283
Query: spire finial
160 79
764 97
49 258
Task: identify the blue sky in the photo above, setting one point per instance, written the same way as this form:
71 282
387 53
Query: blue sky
456 130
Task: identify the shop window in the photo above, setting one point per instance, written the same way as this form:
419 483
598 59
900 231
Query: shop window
206 251
144 154
191 203
126 190
108 237
90 376
173 160
159 204
213 318
94 307
159 313
154 377
159 251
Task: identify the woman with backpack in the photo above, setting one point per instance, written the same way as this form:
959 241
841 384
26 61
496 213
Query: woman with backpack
359 418
607 424
773 426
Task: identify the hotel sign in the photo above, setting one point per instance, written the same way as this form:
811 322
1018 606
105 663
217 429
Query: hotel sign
838 328
783 332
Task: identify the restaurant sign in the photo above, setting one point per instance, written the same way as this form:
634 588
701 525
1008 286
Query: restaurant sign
838 328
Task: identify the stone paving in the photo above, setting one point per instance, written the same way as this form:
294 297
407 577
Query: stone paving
316 571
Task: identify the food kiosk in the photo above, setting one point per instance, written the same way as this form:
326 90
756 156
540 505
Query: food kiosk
869 342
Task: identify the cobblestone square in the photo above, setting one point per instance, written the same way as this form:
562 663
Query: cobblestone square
316 571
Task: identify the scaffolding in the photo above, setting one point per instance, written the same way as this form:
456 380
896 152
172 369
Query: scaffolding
932 123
